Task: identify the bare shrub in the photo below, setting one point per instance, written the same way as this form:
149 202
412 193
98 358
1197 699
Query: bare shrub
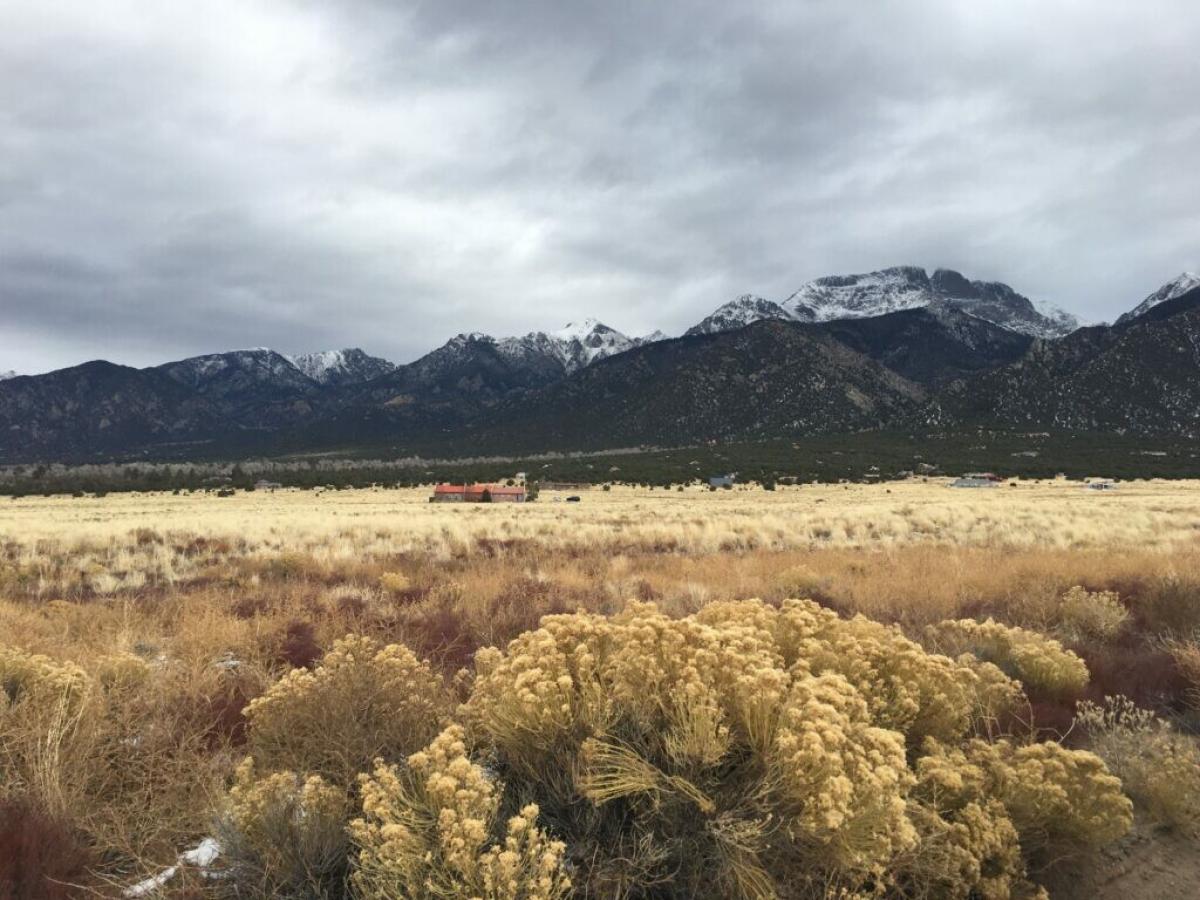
1092 615
1159 768
1186 655
41 857
299 648
1149 675
1170 604
283 835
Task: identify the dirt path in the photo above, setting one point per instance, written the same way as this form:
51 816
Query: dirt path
1146 865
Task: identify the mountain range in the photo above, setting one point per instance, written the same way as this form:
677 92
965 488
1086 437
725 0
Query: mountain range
894 348
838 297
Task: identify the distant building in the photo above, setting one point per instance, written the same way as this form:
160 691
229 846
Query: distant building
974 481
722 481
500 493
264 485
565 485
1101 486
476 493
449 493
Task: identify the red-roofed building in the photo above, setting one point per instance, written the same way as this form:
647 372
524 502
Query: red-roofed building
478 493
449 493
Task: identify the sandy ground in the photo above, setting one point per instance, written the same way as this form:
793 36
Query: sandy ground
1148 864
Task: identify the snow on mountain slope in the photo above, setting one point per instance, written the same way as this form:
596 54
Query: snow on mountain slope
574 346
1062 319
260 363
587 341
999 304
860 296
11 373
652 338
347 366
838 297
1176 287
738 313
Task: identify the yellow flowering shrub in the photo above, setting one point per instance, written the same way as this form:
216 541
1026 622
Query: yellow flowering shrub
428 831
1053 795
841 781
980 806
1037 661
966 848
361 702
36 680
285 835
394 582
42 704
1057 795
1158 767
917 693
1094 615
748 751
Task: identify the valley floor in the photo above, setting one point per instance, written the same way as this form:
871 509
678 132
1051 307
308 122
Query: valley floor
221 596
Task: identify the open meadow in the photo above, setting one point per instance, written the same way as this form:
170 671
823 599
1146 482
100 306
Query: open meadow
347 693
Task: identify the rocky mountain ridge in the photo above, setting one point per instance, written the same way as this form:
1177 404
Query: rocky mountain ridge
588 386
874 294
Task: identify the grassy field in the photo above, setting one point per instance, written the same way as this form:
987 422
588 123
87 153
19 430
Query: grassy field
153 641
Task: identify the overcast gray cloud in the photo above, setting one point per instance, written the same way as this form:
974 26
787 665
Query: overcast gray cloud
178 178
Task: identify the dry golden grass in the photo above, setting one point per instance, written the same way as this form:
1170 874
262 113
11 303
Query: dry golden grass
339 524
221 597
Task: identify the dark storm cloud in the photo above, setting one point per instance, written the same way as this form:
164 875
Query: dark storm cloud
179 178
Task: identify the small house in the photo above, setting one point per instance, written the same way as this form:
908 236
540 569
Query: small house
479 493
495 493
974 481
721 481
449 493
264 485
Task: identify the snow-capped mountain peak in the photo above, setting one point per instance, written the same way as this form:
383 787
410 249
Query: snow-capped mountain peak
738 313
893 290
585 342
860 296
652 338
236 370
570 348
1176 287
580 330
574 346
341 366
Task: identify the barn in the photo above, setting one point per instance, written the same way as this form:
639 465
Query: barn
974 481
499 493
478 493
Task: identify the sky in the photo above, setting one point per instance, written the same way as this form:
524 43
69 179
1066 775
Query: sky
180 178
